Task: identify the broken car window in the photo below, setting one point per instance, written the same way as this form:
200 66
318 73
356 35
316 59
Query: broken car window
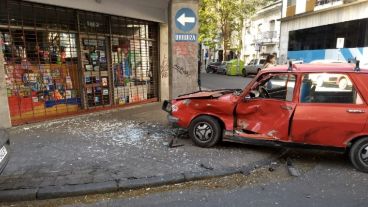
276 86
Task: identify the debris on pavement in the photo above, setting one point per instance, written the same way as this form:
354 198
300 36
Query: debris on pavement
206 167
293 171
174 143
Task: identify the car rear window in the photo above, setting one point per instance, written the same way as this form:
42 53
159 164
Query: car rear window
328 88
261 62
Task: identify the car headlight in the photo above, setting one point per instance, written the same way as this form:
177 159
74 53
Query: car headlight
167 106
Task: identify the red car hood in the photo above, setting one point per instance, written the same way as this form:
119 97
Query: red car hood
206 94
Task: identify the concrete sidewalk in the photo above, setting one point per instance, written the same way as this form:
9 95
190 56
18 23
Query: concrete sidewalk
110 151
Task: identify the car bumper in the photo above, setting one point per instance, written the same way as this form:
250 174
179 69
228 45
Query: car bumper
173 121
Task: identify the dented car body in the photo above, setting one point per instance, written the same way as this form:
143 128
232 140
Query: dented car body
282 106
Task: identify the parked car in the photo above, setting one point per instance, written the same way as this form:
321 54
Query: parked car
253 67
212 67
338 80
234 67
4 149
222 68
282 107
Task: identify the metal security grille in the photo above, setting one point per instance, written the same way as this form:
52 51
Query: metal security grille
134 59
60 61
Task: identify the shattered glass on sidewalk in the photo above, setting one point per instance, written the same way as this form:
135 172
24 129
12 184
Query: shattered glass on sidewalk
104 147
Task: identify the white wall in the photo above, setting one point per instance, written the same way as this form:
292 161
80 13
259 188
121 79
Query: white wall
153 10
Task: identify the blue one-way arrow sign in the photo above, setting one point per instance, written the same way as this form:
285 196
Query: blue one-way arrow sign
185 19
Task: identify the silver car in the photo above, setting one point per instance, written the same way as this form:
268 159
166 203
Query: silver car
253 67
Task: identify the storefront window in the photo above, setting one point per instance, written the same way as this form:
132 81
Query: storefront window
55 64
132 55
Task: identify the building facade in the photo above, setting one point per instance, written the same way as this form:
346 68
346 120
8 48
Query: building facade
261 33
324 29
68 57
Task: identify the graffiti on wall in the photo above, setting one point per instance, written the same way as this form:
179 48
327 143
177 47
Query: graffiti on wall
185 63
181 70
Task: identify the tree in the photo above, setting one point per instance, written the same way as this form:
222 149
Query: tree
224 18
208 30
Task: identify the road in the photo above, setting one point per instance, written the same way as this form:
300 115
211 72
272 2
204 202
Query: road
217 81
326 179
331 183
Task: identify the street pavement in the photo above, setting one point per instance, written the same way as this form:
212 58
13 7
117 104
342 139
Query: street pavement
330 183
326 179
218 81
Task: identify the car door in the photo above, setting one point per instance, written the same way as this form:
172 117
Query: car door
327 115
250 67
266 111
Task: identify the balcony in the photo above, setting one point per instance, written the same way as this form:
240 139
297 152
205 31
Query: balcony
268 37
323 4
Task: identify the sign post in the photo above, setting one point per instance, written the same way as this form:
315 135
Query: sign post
183 47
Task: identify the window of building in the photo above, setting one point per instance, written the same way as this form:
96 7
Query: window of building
291 2
323 2
325 37
328 88
272 25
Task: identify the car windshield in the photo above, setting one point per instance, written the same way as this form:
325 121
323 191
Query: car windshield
251 62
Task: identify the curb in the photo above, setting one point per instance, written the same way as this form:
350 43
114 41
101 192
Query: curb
75 190
51 192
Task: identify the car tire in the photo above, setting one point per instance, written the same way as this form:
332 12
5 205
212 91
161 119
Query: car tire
205 131
358 154
343 83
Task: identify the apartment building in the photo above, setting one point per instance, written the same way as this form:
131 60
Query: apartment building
261 33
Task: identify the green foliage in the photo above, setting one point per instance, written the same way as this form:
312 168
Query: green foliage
219 19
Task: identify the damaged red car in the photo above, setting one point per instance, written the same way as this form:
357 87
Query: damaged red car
283 106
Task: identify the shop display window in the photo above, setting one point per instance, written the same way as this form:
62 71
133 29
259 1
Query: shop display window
41 72
132 61
60 60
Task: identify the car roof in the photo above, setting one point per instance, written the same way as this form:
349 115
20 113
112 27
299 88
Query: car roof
317 68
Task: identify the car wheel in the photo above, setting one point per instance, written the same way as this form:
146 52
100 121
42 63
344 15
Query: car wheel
343 83
205 131
358 155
